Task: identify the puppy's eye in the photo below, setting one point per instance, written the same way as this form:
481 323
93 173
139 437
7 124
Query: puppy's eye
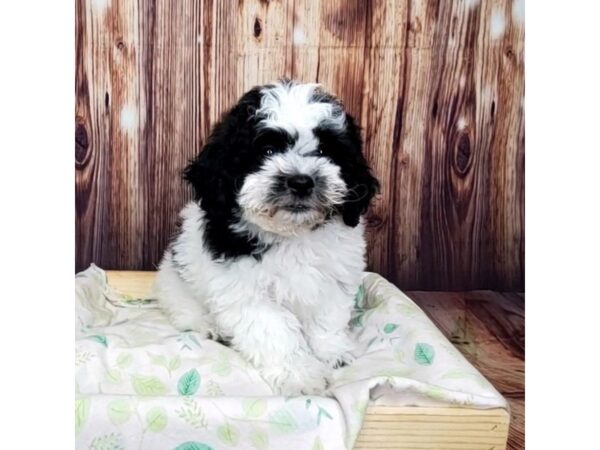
269 151
320 151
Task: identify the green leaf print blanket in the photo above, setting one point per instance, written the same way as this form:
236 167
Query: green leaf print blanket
141 384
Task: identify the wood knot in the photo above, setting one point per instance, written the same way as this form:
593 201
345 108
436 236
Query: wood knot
120 44
463 154
415 26
403 160
374 222
81 145
257 28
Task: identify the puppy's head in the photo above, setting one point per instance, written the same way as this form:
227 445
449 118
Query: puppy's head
284 160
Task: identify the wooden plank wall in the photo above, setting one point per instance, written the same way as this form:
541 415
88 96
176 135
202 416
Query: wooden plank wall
437 86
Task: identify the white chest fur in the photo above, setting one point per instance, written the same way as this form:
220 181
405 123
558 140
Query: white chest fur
320 267
287 311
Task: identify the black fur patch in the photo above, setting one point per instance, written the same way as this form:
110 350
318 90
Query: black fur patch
218 173
344 148
273 140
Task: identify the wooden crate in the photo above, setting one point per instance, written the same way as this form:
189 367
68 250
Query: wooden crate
391 427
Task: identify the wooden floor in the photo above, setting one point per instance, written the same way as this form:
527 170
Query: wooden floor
489 329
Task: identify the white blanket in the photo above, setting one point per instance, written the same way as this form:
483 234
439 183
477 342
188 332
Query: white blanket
141 384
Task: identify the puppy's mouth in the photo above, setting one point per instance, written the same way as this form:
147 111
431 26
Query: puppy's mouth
297 208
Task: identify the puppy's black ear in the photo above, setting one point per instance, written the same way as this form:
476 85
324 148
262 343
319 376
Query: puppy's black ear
214 171
210 187
362 185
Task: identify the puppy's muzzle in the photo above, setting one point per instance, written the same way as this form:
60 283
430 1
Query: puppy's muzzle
300 186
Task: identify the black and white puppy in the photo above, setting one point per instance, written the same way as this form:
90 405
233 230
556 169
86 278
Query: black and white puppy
271 252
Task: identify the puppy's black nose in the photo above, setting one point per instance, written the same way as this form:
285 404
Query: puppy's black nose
300 185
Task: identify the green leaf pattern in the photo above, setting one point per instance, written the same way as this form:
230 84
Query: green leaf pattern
156 419
389 328
113 376
111 441
213 389
259 439
222 367
189 382
82 410
424 354
170 390
82 357
318 445
100 339
124 360
170 364
254 407
148 385
119 411
323 413
193 446
359 298
228 435
282 421
192 413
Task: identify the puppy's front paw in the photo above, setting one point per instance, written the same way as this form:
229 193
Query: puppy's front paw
335 350
305 376
193 322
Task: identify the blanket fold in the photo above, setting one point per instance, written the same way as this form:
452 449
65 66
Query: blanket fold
141 384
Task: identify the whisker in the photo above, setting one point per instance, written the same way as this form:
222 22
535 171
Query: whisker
353 190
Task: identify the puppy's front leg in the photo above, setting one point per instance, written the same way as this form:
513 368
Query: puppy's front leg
333 347
327 335
177 300
270 337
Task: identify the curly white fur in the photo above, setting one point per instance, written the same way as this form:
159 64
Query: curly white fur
287 313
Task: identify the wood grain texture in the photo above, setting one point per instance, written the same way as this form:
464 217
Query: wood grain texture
420 428
489 330
437 87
